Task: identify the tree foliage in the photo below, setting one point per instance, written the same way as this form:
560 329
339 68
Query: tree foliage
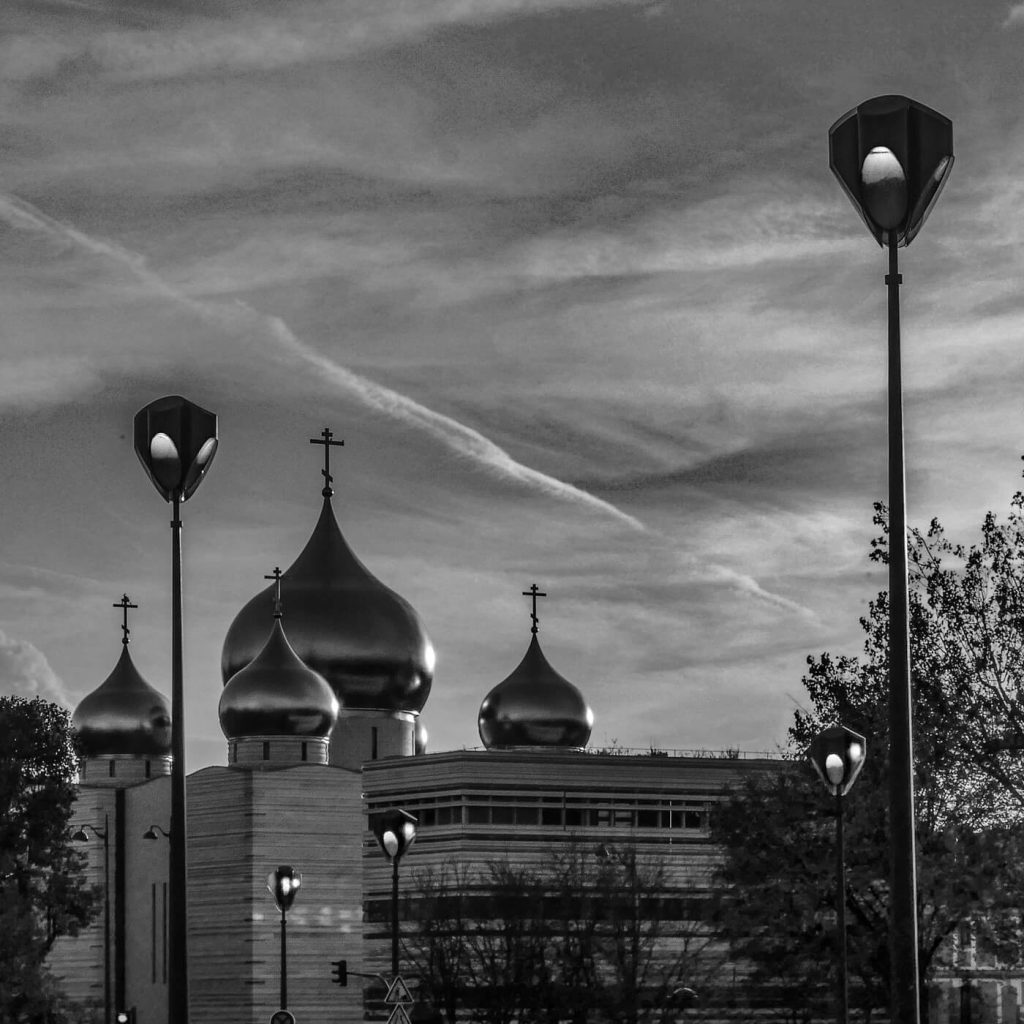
581 937
43 893
778 833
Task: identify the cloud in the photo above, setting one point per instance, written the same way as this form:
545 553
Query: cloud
1015 16
25 672
239 317
257 42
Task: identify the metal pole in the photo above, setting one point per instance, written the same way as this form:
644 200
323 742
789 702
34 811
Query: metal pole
903 908
844 1002
106 919
177 990
284 960
394 918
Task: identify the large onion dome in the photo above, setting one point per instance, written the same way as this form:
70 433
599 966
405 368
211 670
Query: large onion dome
277 695
362 637
123 715
535 706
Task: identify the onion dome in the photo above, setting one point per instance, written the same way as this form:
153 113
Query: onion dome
277 695
363 638
124 714
535 706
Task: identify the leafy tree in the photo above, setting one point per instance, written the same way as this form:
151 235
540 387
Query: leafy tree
777 833
581 937
43 893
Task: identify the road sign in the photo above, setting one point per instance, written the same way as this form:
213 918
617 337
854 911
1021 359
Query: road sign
282 1017
398 991
399 1015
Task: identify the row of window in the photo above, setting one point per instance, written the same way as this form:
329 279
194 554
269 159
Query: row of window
517 811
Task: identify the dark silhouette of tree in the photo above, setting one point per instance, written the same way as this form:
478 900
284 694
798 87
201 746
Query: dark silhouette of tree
589 934
777 834
43 893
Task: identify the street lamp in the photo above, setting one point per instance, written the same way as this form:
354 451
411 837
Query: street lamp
892 157
175 442
155 832
81 836
283 884
395 831
838 756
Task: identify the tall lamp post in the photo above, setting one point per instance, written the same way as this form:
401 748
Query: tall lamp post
838 756
892 157
175 441
81 836
395 831
283 884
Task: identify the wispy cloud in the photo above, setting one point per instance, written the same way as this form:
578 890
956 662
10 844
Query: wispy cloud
464 441
1015 16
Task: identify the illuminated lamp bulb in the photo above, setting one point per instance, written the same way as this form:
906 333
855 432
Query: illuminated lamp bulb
884 188
834 769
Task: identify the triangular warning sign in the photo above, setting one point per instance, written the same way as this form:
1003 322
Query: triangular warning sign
398 1015
398 992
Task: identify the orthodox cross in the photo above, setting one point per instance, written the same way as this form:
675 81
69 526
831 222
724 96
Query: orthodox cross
276 577
327 440
534 592
124 604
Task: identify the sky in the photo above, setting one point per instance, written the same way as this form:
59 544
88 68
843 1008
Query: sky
572 280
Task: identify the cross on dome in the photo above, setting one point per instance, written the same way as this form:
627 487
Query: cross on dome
124 604
327 440
534 592
276 576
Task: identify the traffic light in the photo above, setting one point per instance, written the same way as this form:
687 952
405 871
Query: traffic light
125 1016
340 972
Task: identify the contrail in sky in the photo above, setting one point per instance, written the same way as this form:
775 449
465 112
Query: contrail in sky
456 436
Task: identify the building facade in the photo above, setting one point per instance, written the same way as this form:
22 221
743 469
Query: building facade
325 674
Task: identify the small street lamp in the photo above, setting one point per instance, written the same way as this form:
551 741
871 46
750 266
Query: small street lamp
81 836
395 831
838 755
175 441
155 832
283 884
892 156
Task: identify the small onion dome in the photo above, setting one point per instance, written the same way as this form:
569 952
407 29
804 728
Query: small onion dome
364 639
123 715
535 707
277 695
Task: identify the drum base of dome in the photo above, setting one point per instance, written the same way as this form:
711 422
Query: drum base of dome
258 752
363 734
115 771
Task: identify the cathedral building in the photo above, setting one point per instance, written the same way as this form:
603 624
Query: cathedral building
326 672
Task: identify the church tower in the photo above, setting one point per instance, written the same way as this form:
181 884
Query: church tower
362 637
535 707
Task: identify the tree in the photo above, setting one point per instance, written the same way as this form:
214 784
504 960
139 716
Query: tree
585 935
43 892
777 833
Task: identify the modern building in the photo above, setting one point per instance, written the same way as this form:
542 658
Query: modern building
326 672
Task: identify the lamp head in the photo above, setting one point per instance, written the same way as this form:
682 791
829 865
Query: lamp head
395 831
892 156
79 836
283 884
175 441
838 755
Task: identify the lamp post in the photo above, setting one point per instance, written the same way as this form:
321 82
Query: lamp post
175 441
892 157
395 831
283 884
838 756
81 836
